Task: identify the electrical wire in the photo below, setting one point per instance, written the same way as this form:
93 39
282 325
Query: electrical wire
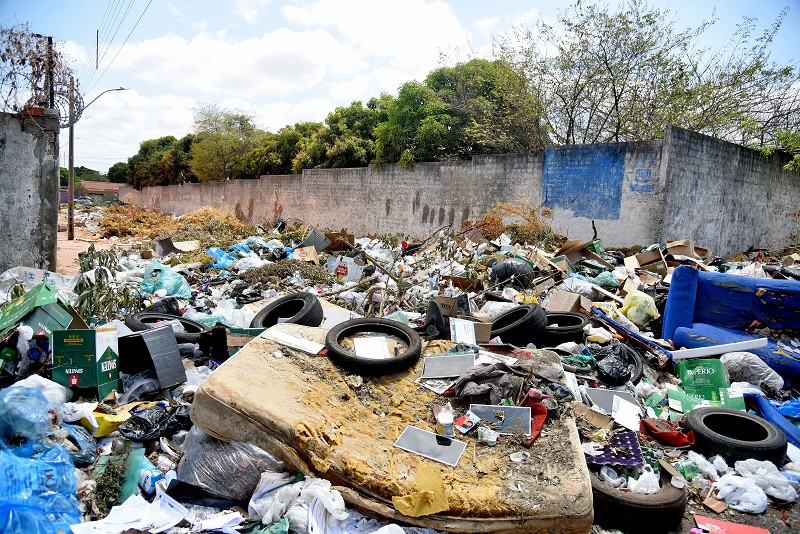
102 33
122 46
103 48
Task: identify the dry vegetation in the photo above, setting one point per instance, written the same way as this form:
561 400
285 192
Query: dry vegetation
210 226
522 222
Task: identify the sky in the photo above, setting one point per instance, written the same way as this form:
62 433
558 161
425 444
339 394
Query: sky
289 61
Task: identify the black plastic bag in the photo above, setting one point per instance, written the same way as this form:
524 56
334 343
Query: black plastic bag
147 425
520 269
178 420
613 365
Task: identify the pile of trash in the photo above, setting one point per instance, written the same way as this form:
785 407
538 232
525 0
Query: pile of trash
678 366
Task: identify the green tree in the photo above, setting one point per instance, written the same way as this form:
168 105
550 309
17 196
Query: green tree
150 165
605 75
222 141
63 176
118 173
502 113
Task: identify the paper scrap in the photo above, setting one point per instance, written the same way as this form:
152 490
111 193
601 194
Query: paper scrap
462 331
374 348
430 497
136 513
290 340
626 413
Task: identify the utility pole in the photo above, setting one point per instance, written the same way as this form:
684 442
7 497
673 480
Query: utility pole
71 183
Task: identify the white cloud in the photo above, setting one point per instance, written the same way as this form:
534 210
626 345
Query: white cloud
278 63
407 34
249 9
527 17
485 26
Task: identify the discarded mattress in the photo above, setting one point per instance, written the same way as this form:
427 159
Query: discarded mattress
325 423
708 308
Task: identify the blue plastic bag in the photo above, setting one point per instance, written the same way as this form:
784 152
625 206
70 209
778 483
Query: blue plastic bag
25 419
224 259
37 495
87 448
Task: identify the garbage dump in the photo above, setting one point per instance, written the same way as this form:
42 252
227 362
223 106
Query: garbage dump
223 377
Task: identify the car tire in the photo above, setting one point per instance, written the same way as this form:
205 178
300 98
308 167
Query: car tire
299 308
369 366
636 512
569 328
146 321
734 434
521 325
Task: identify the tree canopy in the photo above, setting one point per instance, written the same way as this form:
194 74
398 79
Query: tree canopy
594 74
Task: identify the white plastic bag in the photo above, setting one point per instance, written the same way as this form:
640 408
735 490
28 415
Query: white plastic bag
767 476
747 367
741 494
719 464
705 467
54 393
647 483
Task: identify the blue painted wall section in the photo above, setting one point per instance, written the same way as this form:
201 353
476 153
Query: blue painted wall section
584 179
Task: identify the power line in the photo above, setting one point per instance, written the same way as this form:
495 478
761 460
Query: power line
103 49
123 44
102 31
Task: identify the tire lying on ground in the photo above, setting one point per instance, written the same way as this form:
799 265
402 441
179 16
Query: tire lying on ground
521 325
147 320
735 435
347 359
298 308
562 327
636 512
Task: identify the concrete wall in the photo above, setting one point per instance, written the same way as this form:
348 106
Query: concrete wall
29 190
725 197
392 199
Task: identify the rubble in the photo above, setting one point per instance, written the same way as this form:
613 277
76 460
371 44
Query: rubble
100 372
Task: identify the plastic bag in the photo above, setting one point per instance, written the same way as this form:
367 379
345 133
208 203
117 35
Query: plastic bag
158 276
249 262
768 478
25 418
146 425
520 269
613 365
54 393
37 495
741 494
647 483
610 476
705 467
747 367
85 452
719 464
136 385
224 260
292 502
606 279
640 308
228 469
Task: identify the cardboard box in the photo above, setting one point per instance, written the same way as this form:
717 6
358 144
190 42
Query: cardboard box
649 260
563 264
564 301
306 254
482 330
462 282
448 306
681 247
87 359
791 259
41 308
338 239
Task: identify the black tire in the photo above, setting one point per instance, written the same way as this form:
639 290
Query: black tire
299 308
369 366
146 320
636 512
521 325
735 435
638 364
570 328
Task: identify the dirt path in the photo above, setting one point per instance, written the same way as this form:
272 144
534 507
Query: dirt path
67 251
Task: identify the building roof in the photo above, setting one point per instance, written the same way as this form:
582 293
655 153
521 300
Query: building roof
100 187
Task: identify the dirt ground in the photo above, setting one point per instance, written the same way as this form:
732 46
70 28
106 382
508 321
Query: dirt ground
67 251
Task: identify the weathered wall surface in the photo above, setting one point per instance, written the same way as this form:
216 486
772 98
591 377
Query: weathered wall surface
726 197
392 199
29 190
721 195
